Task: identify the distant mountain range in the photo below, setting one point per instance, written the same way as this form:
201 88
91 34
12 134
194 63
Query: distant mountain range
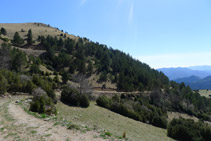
201 68
189 79
176 73
197 77
196 83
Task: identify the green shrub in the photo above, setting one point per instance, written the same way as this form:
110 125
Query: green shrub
188 130
103 101
5 39
108 134
84 102
35 68
159 121
3 84
45 85
141 111
28 87
42 103
73 126
71 96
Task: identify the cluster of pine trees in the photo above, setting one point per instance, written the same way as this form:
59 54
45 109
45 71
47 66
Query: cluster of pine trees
85 56
18 41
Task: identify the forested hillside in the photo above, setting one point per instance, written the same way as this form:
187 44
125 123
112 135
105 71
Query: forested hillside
87 57
67 61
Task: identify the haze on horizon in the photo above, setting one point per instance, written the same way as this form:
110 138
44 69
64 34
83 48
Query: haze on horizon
164 33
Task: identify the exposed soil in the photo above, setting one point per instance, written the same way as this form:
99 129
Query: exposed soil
16 124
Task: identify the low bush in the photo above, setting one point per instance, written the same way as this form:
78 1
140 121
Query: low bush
42 103
84 101
137 110
159 121
103 101
188 130
45 84
3 84
71 96
35 68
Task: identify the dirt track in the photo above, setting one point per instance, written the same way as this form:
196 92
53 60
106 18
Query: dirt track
16 124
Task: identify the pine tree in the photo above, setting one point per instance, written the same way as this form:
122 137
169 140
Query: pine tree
82 66
17 40
3 31
3 84
29 39
65 77
90 68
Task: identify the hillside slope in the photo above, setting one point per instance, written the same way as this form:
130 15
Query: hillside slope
16 124
97 117
188 80
196 83
111 68
37 28
77 67
201 84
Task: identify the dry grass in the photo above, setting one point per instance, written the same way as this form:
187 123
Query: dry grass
44 30
44 69
41 29
101 118
172 115
205 93
94 78
30 51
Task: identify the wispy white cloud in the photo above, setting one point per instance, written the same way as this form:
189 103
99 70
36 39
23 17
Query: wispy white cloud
177 60
131 12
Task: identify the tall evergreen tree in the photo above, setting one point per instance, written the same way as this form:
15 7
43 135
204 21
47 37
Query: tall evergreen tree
3 31
3 84
17 40
82 66
29 39
65 77
90 68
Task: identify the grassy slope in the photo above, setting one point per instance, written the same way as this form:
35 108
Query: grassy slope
111 122
42 29
205 93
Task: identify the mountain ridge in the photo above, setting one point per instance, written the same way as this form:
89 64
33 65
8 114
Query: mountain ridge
182 72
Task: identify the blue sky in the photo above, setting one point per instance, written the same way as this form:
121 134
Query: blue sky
161 33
